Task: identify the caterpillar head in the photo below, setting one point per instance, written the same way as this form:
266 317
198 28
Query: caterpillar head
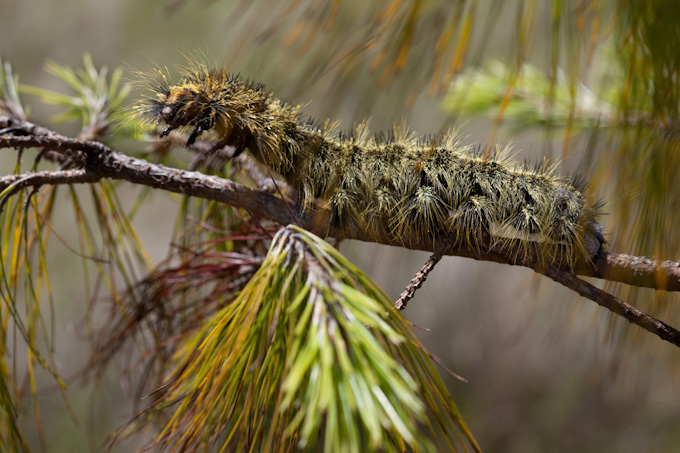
185 105
205 101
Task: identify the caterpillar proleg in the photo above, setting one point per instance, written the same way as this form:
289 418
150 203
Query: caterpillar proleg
397 182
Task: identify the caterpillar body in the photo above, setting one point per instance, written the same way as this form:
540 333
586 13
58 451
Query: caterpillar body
400 183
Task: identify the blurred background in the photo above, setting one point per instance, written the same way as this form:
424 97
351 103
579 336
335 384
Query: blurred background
593 85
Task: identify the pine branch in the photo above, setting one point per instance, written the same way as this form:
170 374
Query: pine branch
615 305
96 162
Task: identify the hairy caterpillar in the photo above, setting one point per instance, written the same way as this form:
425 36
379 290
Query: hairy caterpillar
400 183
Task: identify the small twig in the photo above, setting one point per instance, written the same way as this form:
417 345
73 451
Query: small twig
11 184
421 276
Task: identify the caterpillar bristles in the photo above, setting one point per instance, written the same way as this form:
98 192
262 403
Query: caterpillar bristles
395 182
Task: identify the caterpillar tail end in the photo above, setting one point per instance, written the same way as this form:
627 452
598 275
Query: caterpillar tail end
593 239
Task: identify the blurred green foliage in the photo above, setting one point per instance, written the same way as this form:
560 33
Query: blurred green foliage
97 96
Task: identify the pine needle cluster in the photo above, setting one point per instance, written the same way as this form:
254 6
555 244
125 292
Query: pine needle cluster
312 355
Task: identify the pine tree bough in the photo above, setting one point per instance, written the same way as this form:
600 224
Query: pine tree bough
96 162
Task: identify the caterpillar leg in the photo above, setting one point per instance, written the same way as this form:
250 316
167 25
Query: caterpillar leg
198 130
166 131
234 140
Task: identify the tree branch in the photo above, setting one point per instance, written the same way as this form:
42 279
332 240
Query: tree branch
98 161
615 305
101 162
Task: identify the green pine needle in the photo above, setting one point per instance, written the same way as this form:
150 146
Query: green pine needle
96 100
10 104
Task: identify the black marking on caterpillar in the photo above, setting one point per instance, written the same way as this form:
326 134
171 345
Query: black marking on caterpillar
397 182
